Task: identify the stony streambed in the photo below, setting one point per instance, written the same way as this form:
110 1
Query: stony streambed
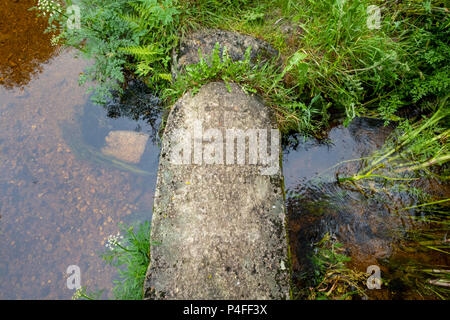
58 201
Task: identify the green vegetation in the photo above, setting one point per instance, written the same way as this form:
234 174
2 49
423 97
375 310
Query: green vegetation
413 148
330 278
427 249
428 282
414 152
346 68
420 263
261 79
132 252
129 254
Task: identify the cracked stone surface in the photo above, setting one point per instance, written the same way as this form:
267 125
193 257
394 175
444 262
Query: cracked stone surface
218 230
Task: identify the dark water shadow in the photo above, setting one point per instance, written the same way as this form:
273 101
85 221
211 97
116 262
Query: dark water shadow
366 221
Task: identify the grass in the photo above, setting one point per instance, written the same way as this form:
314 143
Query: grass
429 248
347 69
414 152
413 148
265 80
350 65
415 269
425 269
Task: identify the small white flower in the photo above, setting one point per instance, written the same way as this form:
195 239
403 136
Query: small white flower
113 241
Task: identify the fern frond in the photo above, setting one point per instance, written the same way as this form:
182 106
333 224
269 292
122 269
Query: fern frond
165 76
143 69
147 11
133 19
148 53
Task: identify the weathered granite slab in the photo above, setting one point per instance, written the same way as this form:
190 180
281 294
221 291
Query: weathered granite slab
218 225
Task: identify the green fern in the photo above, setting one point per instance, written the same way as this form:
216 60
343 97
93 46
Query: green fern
148 16
152 22
148 53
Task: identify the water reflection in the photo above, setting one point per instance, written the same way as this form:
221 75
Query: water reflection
58 203
138 103
305 159
316 204
365 220
23 44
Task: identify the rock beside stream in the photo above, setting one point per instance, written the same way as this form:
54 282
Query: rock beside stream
127 146
188 50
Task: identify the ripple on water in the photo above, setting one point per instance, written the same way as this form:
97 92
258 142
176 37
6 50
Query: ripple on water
316 204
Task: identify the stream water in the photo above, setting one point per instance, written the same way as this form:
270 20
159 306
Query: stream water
60 199
368 224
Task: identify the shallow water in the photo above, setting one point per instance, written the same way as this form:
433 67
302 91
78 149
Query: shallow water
316 204
23 44
59 199
366 224
58 205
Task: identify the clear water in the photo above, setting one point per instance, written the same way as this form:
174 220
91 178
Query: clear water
366 223
59 200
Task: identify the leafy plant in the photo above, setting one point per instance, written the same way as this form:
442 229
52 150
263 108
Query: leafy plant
121 37
130 255
331 278
266 80
152 22
103 32
83 294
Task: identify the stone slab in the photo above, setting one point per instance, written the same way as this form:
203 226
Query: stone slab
218 229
